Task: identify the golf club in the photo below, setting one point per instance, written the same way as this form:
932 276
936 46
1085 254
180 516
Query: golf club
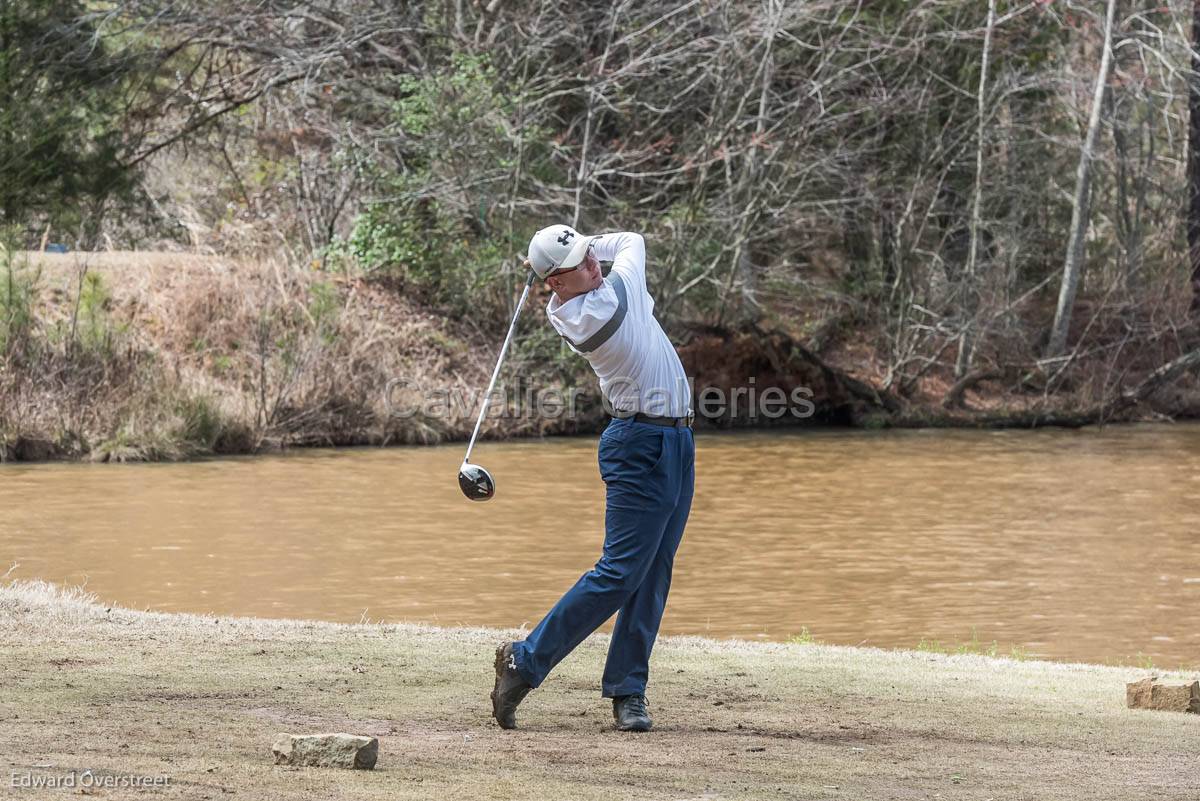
476 483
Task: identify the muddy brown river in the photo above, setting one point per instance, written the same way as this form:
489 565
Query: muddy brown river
1068 545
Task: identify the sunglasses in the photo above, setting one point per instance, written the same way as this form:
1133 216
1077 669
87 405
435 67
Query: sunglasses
571 269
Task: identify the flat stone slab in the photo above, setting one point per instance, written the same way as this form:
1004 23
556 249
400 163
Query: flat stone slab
326 750
1150 693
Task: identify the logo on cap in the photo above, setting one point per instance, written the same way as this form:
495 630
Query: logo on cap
566 237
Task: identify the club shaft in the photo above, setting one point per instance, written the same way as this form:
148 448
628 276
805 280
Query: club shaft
496 372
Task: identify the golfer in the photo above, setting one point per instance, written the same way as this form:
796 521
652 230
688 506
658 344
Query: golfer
646 461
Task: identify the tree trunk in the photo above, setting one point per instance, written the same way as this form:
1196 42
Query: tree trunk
1080 214
1193 220
747 180
966 345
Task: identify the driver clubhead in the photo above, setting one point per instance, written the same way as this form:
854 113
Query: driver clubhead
476 483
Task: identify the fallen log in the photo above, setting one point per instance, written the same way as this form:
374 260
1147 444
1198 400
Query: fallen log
1057 417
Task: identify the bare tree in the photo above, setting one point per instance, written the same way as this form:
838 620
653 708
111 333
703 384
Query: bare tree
966 344
1081 208
1193 217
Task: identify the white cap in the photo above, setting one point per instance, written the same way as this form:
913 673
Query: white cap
557 247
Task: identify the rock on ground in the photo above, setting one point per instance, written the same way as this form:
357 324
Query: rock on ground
326 750
1149 693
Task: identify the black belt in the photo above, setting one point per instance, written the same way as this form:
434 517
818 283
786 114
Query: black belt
656 420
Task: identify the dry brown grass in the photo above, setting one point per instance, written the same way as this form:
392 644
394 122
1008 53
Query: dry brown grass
199 700
218 355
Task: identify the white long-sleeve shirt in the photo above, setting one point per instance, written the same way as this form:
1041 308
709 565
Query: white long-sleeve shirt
638 368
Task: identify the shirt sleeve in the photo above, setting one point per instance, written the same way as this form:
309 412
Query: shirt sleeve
627 252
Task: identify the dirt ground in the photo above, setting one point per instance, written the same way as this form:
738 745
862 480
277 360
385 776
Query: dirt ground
199 700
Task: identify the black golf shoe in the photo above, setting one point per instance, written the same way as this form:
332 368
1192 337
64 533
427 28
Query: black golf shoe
511 688
630 713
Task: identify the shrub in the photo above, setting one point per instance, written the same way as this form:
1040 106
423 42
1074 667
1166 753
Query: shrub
18 291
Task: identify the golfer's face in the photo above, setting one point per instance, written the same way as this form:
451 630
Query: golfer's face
576 282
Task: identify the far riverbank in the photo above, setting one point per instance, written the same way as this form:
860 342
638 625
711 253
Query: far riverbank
119 357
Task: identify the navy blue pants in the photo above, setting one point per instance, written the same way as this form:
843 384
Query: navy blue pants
649 471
